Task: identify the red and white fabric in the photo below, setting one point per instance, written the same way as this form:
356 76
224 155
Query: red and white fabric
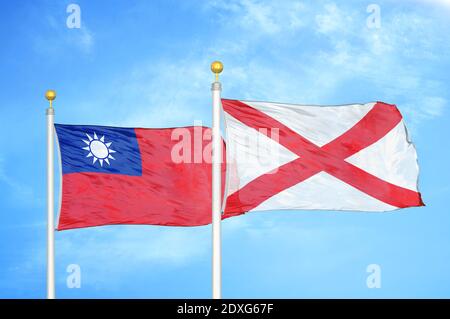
354 157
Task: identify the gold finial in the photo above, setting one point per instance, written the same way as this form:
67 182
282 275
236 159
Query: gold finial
216 68
50 95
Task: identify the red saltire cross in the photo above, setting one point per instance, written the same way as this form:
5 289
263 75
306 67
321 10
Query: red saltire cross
329 158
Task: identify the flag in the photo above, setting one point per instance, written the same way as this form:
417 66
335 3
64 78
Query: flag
114 175
353 157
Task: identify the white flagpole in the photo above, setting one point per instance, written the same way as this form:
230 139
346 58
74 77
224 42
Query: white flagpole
216 68
50 95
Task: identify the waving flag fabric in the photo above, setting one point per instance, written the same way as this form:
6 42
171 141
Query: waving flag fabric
113 175
350 157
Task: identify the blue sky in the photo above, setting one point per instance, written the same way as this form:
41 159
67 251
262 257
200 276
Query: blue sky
146 63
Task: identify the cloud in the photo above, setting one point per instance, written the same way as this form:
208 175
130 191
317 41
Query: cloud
58 38
83 39
332 20
383 58
289 51
170 93
261 17
442 3
426 108
331 52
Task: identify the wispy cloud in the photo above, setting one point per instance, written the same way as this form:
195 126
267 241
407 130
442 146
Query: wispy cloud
59 38
340 51
84 39
441 3
169 93
323 50
332 20
261 17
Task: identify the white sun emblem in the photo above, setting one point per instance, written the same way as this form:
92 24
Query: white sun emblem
98 149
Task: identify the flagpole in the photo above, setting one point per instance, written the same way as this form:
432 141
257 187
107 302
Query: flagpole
50 95
216 88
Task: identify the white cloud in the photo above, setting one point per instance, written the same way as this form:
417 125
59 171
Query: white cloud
332 20
84 39
261 17
443 3
425 108
170 93
389 60
59 38
166 93
434 106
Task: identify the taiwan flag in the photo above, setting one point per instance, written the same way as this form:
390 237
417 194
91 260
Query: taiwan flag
114 175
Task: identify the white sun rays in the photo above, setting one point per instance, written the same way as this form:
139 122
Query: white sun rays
98 149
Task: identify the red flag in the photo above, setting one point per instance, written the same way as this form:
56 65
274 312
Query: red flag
113 175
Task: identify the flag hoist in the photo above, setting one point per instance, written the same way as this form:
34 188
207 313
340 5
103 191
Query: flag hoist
50 95
216 68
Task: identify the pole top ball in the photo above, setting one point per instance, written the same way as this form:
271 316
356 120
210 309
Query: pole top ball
50 95
216 67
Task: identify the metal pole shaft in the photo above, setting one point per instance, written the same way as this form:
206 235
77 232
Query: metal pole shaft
50 207
216 194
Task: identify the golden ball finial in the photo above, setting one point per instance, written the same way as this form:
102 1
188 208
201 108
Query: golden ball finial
216 67
50 95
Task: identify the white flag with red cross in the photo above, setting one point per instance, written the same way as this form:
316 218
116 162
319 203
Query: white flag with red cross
354 157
